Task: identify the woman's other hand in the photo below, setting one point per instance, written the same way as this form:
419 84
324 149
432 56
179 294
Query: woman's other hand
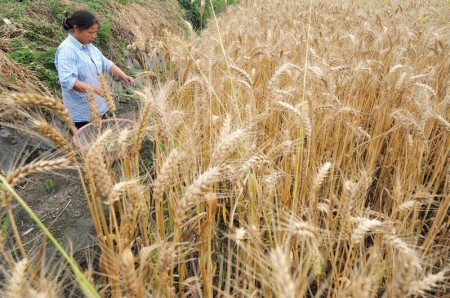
117 72
129 80
98 91
83 87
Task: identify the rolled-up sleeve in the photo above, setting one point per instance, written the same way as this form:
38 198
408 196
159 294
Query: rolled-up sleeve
106 63
67 68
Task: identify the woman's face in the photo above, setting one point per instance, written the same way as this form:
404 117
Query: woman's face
86 36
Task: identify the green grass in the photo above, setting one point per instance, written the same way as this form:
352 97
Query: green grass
49 185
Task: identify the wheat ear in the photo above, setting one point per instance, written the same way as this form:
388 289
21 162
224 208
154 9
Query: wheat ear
167 255
304 229
365 226
190 85
166 258
33 100
358 289
165 175
196 189
47 288
245 78
120 188
227 145
186 70
93 109
17 285
350 189
280 70
428 283
55 136
290 108
321 175
254 161
404 274
96 162
127 272
284 284
107 94
144 118
37 166
408 266
442 121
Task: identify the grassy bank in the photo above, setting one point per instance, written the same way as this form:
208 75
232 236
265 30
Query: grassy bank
35 32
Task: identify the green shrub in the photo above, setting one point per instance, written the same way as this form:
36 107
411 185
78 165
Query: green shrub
198 18
24 55
104 34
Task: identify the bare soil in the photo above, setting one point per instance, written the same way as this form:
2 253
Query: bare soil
61 206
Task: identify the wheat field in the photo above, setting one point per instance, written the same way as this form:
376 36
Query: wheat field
301 150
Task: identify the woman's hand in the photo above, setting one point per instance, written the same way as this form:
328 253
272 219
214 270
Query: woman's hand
116 71
129 80
98 90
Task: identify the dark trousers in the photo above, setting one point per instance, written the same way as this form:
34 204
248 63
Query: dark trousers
79 125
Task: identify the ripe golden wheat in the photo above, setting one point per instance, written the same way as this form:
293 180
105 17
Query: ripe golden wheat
303 152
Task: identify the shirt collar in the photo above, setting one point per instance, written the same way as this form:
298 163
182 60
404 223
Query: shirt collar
75 41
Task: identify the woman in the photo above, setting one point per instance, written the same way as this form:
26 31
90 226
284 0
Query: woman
79 63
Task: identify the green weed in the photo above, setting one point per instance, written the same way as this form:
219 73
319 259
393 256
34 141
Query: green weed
49 185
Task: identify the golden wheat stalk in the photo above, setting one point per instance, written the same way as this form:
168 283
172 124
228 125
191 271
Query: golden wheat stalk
107 94
144 117
34 100
127 272
96 162
429 282
284 285
93 109
52 134
19 174
365 226
227 145
196 189
166 174
18 285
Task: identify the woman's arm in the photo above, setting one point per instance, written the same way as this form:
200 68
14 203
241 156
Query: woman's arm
83 87
116 71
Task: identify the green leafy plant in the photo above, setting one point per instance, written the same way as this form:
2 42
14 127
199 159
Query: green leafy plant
24 55
104 34
49 185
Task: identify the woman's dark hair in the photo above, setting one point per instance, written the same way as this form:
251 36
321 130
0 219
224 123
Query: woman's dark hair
83 19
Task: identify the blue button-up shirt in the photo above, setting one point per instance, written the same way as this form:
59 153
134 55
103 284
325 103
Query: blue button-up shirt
75 61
